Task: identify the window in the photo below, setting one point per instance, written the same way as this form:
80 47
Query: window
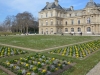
79 29
88 20
66 22
57 14
72 29
75 14
60 14
46 22
70 15
51 30
72 22
66 29
41 23
42 31
46 15
51 14
88 29
57 22
51 22
61 22
58 30
78 21
46 30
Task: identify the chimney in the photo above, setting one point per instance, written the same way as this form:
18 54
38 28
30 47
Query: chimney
56 2
72 8
47 3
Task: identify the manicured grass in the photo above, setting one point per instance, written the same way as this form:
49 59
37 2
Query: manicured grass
44 41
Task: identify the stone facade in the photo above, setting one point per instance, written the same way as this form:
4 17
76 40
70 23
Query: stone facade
53 19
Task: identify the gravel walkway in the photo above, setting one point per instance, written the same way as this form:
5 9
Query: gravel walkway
95 70
45 49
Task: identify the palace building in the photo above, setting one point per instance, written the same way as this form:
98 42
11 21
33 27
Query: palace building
53 19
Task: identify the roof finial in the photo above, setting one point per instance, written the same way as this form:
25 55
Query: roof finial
56 2
91 0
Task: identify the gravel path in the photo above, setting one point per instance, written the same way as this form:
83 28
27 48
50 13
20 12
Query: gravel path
44 49
6 70
95 70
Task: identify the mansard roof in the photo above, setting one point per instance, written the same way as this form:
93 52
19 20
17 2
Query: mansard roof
67 9
51 6
91 4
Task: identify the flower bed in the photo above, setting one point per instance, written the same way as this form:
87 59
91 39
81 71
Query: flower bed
78 51
35 65
7 51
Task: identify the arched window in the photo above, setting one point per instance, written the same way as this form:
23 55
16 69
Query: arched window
79 29
88 29
72 29
66 29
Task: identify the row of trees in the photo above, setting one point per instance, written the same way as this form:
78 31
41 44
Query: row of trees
22 22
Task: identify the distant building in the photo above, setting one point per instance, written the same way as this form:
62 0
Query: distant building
55 19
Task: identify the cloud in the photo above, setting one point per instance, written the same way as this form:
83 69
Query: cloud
12 7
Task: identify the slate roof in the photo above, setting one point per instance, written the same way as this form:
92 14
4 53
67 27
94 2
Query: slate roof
67 9
51 6
91 4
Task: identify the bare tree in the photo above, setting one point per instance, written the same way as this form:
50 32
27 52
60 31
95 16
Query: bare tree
8 23
22 22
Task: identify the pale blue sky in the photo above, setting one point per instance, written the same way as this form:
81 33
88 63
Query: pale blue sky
12 7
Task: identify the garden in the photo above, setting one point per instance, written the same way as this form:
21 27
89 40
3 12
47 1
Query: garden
37 64
7 51
54 62
79 50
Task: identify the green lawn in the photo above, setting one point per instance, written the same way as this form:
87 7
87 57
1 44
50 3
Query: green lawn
43 42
